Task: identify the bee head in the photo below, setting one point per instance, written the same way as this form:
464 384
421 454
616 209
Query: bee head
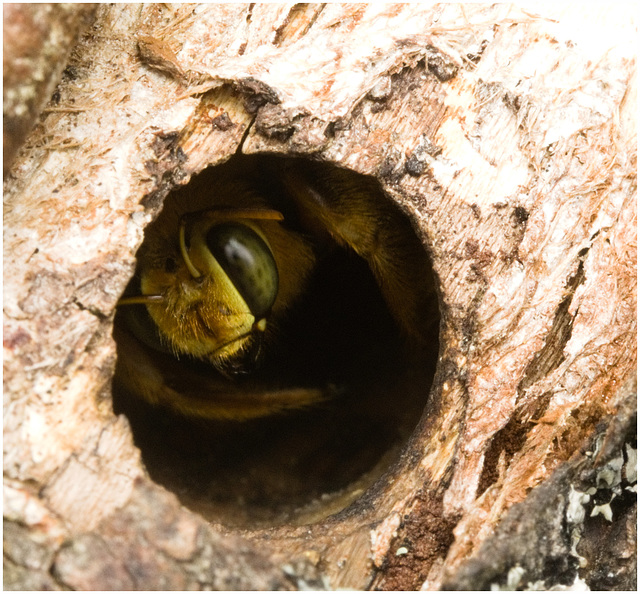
216 302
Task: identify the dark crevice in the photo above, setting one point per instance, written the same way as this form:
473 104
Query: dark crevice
511 438
297 23
92 310
552 353
250 12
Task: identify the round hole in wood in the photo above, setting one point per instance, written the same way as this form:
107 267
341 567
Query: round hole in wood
301 404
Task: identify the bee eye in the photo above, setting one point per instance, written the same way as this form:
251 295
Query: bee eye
248 262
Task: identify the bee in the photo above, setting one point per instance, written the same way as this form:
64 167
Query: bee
227 259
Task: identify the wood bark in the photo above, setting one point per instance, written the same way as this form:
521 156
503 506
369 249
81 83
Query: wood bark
508 138
37 39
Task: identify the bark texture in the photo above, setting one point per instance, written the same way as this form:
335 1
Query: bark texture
37 39
509 139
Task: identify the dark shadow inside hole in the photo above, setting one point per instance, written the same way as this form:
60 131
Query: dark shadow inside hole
301 465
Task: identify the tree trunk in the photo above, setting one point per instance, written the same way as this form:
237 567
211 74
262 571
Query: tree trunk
36 44
507 138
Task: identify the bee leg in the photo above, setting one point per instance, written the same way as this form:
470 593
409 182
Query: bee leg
161 381
355 212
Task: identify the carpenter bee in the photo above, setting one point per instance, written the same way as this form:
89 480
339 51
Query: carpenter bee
227 259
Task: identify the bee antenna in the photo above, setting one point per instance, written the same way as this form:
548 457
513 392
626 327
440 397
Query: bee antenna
140 300
195 273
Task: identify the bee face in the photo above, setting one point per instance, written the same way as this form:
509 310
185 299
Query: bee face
217 293
221 273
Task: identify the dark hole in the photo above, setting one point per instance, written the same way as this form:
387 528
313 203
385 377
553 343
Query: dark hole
299 466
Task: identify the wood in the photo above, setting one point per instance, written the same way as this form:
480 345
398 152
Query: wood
508 138
37 39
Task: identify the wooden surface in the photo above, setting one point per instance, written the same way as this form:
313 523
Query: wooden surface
509 138
37 40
